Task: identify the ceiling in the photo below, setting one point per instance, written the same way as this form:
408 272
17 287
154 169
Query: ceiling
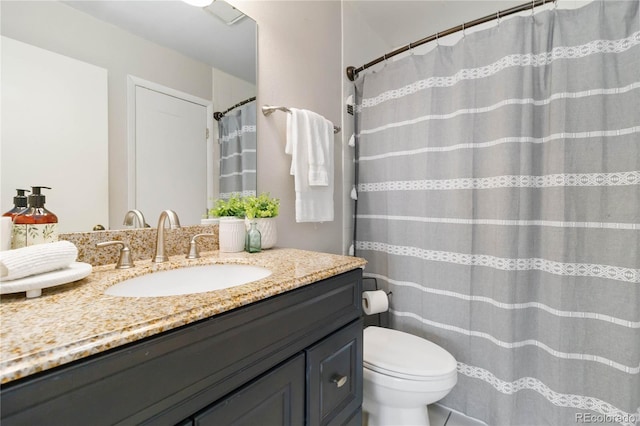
190 30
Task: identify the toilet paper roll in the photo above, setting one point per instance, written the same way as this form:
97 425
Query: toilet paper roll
374 302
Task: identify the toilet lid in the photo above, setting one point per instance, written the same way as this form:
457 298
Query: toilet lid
404 355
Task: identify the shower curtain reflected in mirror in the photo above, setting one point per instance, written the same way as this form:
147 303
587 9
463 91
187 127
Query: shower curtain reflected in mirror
499 199
237 130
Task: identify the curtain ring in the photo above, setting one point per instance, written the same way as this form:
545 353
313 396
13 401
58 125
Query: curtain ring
533 5
498 17
437 39
464 35
555 4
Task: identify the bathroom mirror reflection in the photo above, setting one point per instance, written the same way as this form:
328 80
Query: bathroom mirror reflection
99 99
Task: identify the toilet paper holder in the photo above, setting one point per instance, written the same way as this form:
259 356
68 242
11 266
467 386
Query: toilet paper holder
381 317
375 283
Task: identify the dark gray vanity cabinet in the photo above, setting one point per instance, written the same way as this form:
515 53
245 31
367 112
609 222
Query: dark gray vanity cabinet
291 359
277 398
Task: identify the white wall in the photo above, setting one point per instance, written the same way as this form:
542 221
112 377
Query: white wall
299 45
360 44
39 90
59 28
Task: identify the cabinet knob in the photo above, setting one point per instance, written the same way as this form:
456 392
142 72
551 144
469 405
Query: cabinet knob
339 380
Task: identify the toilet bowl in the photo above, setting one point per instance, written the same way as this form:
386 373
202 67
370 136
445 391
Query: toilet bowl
402 374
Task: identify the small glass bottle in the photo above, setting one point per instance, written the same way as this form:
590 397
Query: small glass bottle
254 243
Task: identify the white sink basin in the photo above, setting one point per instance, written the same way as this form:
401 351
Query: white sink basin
190 280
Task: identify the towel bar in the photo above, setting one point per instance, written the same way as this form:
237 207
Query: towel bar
267 110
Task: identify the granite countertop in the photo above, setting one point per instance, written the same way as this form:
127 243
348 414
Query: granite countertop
73 321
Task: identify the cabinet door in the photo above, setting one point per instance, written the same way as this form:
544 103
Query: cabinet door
334 377
275 399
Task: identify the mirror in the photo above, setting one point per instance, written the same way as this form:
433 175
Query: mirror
107 52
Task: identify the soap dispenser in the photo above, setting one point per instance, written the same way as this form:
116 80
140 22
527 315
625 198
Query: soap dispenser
19 204
36 224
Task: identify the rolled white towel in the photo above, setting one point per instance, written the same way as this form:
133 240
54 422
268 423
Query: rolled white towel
36 259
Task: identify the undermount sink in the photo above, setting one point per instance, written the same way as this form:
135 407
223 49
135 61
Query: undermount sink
190 280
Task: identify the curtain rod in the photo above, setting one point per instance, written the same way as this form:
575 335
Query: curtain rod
352 72
218 115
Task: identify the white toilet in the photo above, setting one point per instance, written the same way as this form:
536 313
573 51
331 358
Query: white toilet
402 374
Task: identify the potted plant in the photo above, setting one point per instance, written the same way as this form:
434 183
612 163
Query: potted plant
263 210
231 230
232 207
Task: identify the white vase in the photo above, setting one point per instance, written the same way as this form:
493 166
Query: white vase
231 233
268 230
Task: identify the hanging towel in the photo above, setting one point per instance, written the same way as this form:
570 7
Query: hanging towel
310 144
36 259
320 146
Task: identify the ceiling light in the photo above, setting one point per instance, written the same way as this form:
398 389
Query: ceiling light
198 3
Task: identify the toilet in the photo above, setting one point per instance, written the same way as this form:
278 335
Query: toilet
402 374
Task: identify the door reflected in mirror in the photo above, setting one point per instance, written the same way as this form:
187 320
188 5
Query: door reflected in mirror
51 130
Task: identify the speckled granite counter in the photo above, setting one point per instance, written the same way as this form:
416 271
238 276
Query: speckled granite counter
76 320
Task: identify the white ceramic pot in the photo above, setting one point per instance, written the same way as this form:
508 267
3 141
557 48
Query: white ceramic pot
268 230
231 234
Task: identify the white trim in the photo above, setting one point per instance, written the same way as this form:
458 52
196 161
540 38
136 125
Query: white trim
507 181
520 344
132 83
556 398
504 222
237 133
236 154
248 171
510 306
509 61
611 272
246 193
503 103
510 139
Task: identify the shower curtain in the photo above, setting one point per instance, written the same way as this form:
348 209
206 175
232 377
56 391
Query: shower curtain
237 132
499 200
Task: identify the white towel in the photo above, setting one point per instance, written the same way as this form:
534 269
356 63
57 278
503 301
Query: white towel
320 147
310 144
36 259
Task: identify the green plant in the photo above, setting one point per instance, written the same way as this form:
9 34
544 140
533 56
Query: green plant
234 206
261 206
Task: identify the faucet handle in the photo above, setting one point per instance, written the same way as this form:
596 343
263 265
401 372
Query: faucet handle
124 260
194 253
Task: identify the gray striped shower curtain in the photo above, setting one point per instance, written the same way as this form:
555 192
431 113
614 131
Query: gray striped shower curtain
237 132
499 200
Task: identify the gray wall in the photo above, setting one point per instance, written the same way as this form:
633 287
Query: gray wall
299 63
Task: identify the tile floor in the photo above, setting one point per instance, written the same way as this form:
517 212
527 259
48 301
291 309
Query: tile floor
442 416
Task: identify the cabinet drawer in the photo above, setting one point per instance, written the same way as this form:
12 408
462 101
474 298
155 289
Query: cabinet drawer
334 371
274 399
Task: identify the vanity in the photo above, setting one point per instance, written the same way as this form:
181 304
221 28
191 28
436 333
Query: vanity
283 350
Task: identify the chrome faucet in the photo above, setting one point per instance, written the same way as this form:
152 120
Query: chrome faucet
135 214
174 223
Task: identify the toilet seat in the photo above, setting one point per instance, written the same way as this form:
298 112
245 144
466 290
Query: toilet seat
402 355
